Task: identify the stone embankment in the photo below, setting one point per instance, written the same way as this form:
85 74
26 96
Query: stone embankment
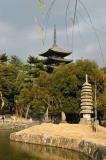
14 123
75 137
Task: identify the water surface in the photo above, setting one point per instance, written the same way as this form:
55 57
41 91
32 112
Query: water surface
20 151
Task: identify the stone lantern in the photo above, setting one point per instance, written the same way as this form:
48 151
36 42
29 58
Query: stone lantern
86 103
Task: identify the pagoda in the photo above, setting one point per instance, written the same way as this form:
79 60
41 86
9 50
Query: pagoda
86 103
55 56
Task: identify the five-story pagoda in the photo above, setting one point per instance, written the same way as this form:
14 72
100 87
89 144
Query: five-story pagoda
55 56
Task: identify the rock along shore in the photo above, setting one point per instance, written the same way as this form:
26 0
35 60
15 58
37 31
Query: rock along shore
75 137
16 123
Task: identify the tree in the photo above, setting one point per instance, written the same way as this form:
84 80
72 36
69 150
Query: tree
35 62
3 58
23 102
102 106
8 74
32 60
102 99
15 60
104 69
28 89
67 82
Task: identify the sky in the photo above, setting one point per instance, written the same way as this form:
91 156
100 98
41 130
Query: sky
23 27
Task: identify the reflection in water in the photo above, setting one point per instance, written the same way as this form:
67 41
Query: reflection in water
21 151
47 153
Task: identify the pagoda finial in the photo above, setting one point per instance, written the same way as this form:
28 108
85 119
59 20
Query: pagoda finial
86 78
54 35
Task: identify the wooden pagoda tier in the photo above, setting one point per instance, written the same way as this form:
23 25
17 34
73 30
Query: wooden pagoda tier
56 55
56 51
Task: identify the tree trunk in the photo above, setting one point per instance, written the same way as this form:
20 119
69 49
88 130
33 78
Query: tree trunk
27 111
46 115
16 112
20 112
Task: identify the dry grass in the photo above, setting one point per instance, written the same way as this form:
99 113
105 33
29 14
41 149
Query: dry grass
77 131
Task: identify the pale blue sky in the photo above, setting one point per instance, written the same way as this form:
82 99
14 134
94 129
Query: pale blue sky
18 33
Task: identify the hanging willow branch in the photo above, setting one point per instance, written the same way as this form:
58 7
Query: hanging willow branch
39 30
94 29
75 10
42 6
48 15
67 8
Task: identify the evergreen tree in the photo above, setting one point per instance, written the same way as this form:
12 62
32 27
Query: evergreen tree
3 58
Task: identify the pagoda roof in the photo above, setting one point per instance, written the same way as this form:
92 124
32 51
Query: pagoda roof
55 49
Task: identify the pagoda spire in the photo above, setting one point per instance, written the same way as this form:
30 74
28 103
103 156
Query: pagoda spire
86 78
54 44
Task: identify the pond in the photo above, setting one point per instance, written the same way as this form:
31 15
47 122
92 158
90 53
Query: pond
20 151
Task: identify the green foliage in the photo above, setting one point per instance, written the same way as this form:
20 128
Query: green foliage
32 60
102 105
29 89
67 82
44 79
15 60
7 84
3 58
104 69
